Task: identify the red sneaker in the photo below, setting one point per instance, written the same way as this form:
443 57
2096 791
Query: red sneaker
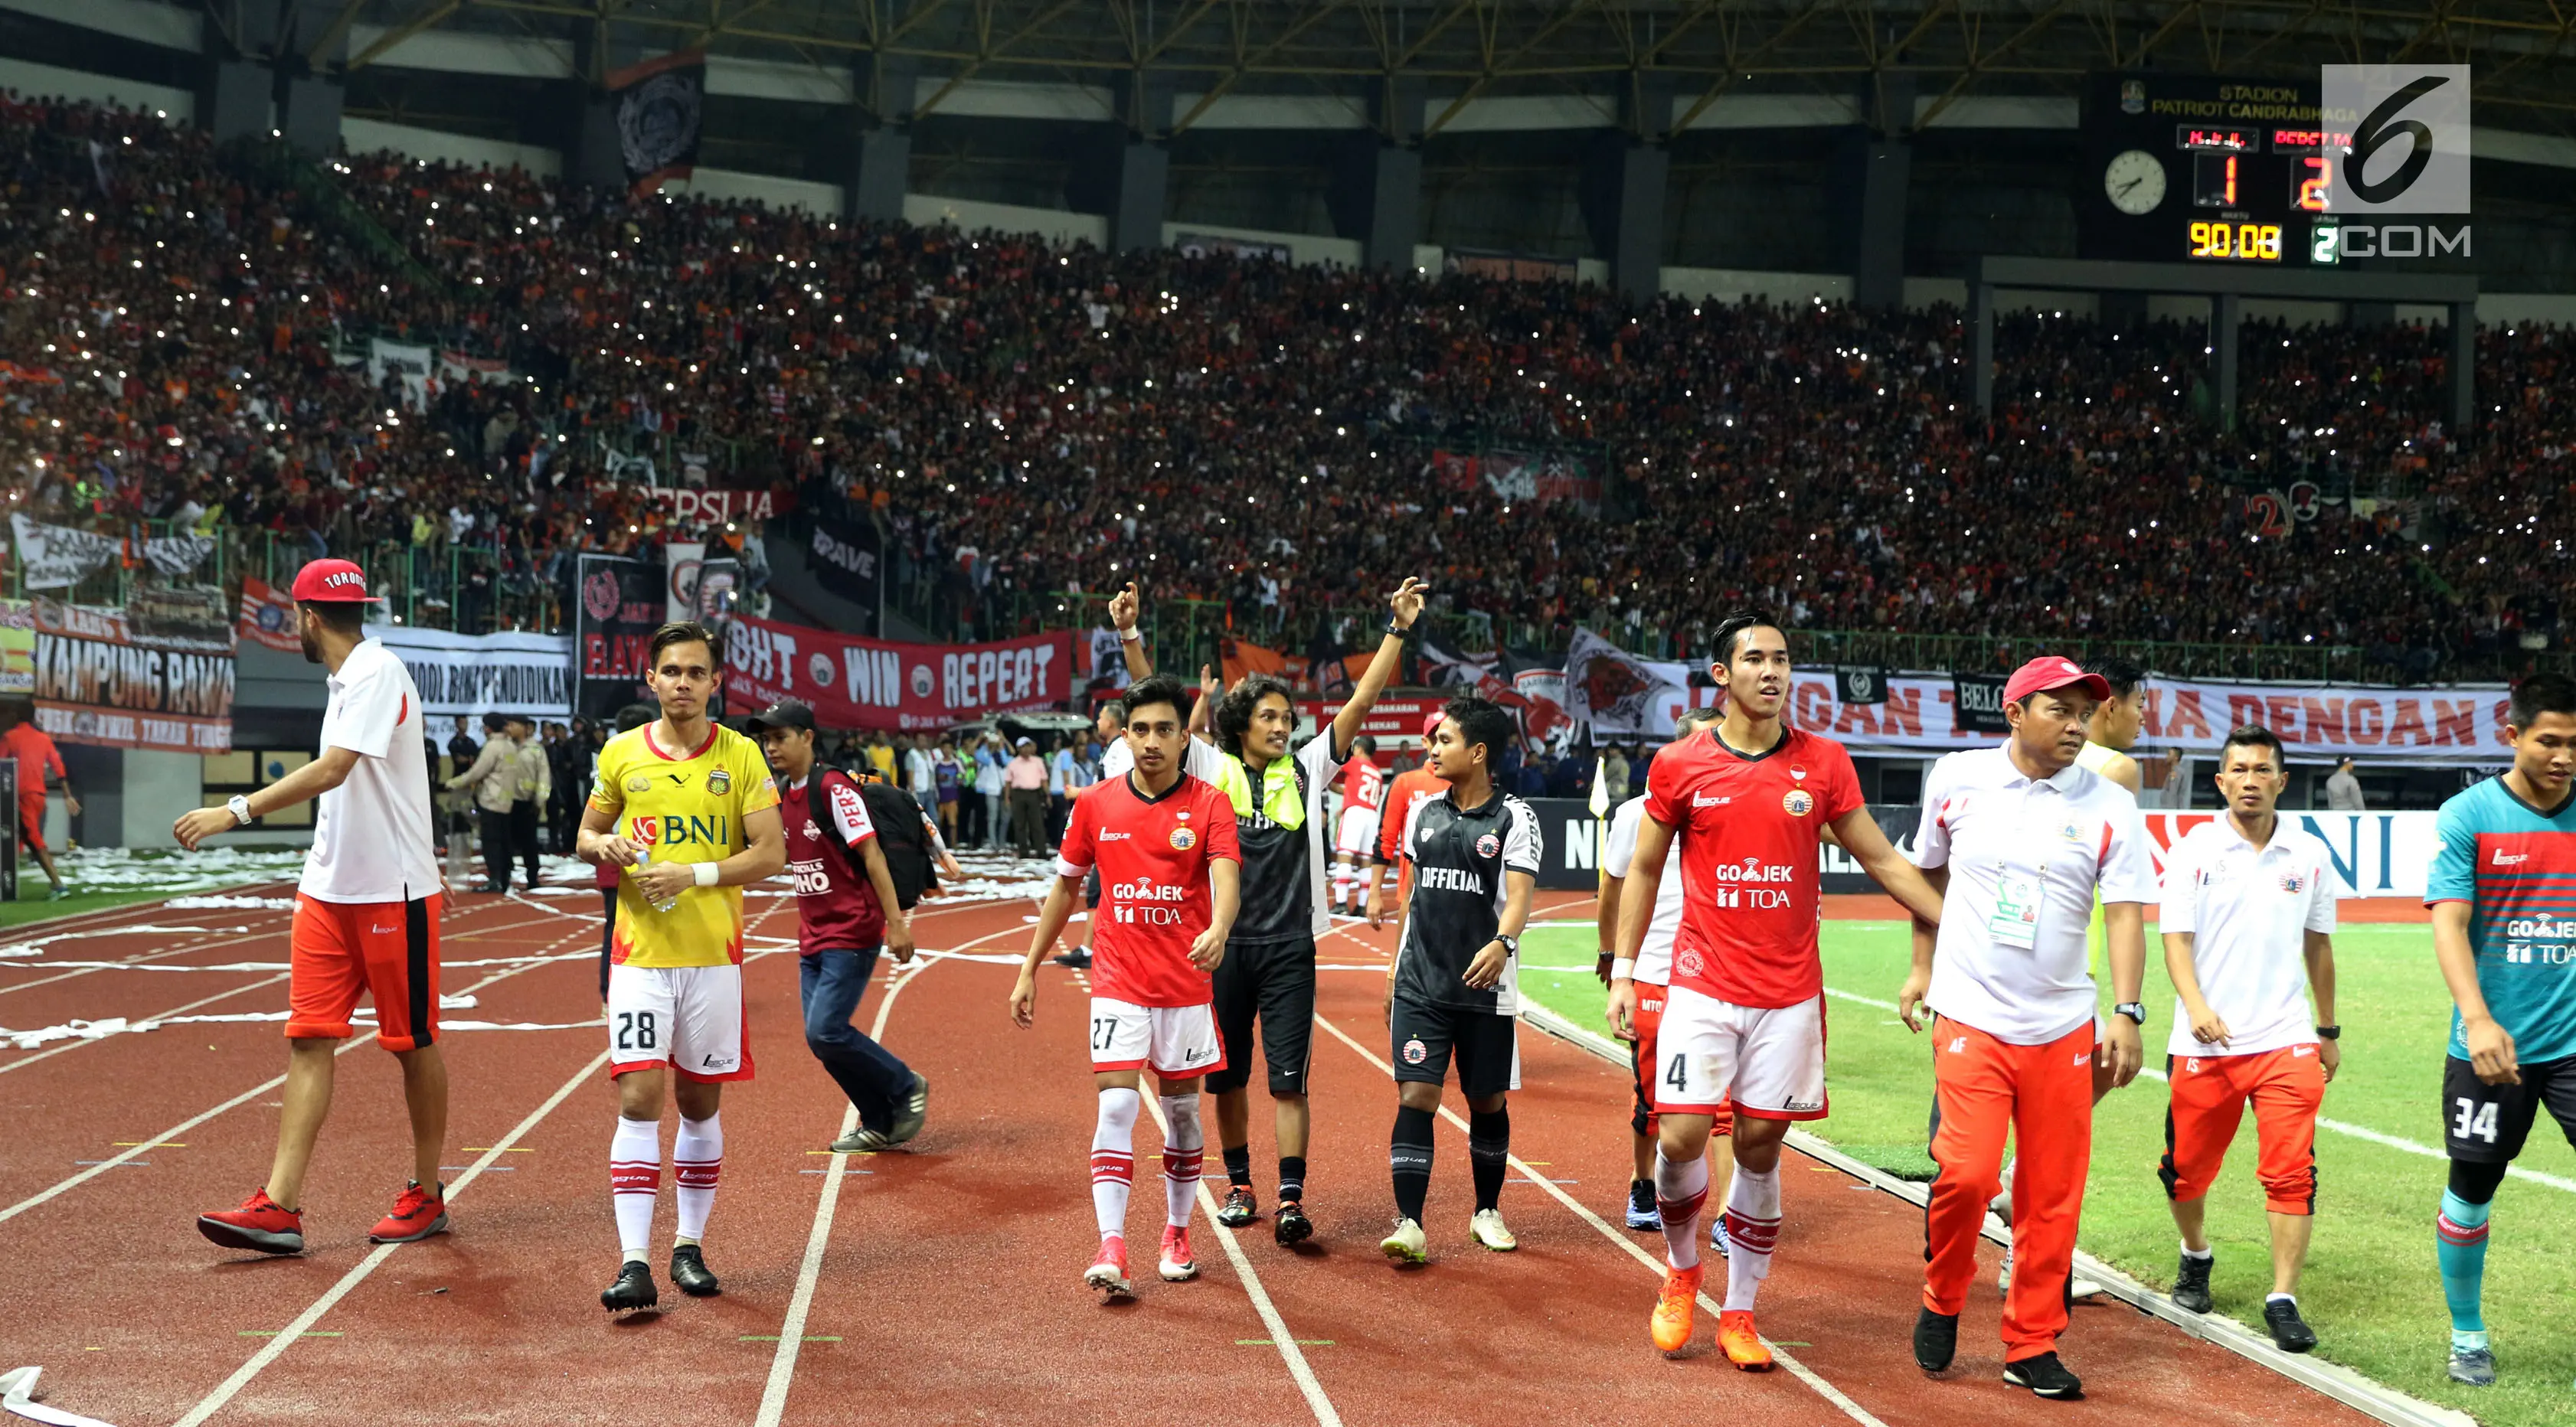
258 1225
1109 1273
417 1214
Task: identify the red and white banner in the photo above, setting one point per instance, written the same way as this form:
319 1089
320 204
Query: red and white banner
100 681
267 617
868 683
691 505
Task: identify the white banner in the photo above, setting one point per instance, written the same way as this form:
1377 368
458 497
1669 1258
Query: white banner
57 556
1620 694
470 675
2368 854
681 560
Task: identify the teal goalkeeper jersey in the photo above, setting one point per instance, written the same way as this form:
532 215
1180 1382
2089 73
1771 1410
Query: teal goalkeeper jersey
2516 868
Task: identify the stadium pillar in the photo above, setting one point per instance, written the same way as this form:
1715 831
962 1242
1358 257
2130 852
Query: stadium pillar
1981 346
588 132
2464 372
880 165
2226 317
236 88
1624 186
310 91
1141 180
1376 195
1878 167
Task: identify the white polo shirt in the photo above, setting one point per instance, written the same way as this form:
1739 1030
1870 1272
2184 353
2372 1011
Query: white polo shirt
371 835
1654 964
2248 910
2025 858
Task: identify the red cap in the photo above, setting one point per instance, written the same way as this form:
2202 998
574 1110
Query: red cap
332 582
1431 723
2052 671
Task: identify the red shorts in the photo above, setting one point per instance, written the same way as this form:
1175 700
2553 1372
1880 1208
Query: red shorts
31 822
2210 1093
388 950
1648 1019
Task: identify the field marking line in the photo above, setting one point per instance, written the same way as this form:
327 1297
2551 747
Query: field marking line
1797 1369
276 1347
214 940
809 1272
2341 1127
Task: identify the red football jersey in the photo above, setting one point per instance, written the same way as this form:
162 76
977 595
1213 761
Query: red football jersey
1411 786
1363 783
1153 858
1747 831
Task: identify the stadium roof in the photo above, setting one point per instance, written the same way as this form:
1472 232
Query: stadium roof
1463 51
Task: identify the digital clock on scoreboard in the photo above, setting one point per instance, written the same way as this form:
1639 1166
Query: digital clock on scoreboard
2195 168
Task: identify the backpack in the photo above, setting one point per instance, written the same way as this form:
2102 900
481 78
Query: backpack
900 836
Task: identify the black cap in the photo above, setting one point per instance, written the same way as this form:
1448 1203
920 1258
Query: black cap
786 713
495 722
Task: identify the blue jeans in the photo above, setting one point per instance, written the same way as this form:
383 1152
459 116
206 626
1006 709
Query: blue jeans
830 984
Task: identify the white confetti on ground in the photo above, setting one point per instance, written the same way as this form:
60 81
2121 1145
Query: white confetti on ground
118 869
265 904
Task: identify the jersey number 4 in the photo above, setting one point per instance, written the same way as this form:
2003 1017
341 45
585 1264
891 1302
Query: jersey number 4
635 1031
2474 1120
1678 1077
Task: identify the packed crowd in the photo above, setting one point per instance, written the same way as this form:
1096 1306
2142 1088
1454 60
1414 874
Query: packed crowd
1020 419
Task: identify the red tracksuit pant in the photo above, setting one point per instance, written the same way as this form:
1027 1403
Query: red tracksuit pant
2043 1094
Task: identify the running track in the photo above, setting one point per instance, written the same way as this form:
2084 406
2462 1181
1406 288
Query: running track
944 1287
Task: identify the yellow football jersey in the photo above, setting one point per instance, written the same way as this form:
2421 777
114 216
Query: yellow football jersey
684 808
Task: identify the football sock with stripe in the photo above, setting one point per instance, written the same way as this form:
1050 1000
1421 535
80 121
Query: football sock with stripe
697 1161
1292 1178
1489 1151
1238 1166
1680 1191
1184 1148
1752 1229
2461 1247
1409 1160
1113 1158
634 1182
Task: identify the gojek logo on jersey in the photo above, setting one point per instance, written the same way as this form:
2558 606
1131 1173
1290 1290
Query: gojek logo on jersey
2541 928
1147 904
679 830
1753 869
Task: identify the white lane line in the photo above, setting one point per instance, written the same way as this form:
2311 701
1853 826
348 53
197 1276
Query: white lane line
791 1333
1797 1369
1293 1355
2340 1127
227 939
22 1064
214 1401
193 1121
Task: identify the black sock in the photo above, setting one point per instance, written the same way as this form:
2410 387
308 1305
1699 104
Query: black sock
1292 1178
1238 1166
1409 1159
1489 1144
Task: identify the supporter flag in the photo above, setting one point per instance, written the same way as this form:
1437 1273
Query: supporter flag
1978 700
1618 693
1860 683
661 105
267 617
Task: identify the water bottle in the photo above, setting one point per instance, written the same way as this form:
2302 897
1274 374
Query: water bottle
644 858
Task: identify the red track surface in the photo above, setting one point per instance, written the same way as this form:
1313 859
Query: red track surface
949 1290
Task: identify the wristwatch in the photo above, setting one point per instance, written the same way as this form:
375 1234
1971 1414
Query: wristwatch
2134 1010
239 805
1511 944
2332 1033
1400 631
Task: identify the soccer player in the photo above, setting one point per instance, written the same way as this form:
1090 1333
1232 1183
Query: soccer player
2505 852
1410 787
686 806
2248 923
40 766
1455 988
846 911
1165 846
1363 790
1636 1004
366 914
1744 1016
632 716
2019 839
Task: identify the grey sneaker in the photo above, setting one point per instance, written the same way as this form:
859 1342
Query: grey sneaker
907 1121
861 1141
2473 1366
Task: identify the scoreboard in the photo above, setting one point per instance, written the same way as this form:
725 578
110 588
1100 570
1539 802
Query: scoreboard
2202 169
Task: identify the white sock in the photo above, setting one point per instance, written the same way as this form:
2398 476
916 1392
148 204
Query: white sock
1752 1229
2191 1253
2280 1298
634 1182
1342 876
1113 1158
697 1159
1681 1191
1184 1146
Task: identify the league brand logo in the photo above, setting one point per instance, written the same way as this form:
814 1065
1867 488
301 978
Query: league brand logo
1415 1052
1183 839
1798 802
1489 845
719 781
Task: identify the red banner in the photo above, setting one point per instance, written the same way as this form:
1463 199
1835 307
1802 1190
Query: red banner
268 617
691 505
868 683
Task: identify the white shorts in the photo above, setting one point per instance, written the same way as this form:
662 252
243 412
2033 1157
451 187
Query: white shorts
1358 829
1175 1042
1767 1063
690 1017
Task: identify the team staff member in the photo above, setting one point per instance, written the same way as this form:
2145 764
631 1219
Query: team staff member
1744 1017
2019 839
529 792
1637 986
846 911
494 779
2248 923
366 914
686 807
1165 846
1455 991
40 766
2505 938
